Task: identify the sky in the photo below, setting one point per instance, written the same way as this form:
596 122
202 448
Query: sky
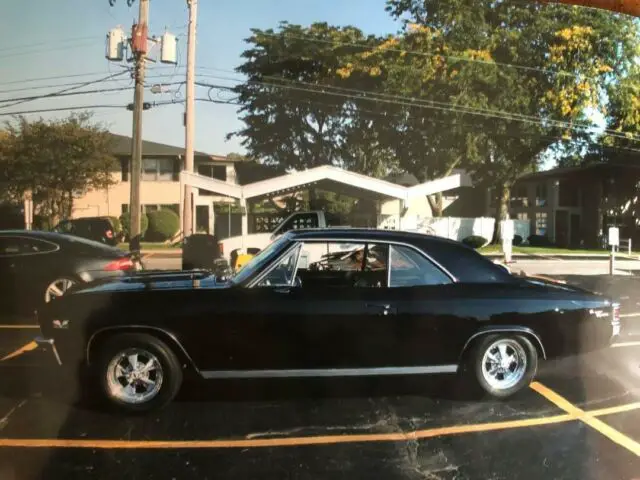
45 38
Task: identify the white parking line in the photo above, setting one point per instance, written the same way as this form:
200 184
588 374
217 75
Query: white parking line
625 344
17 327
630 315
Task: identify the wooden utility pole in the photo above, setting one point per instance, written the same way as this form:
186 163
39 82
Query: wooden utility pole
189 118
139 47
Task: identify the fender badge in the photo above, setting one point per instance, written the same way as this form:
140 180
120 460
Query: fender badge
64 324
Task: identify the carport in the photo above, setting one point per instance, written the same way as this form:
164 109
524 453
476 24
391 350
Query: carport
325 177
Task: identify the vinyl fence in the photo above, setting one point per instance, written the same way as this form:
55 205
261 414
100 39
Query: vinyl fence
454 228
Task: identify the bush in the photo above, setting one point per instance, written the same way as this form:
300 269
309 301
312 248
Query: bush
163 225
517 240
116 224
125 221
475 241
539 241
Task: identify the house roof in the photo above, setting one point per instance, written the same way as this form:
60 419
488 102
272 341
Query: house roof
568 171
122 147
355 183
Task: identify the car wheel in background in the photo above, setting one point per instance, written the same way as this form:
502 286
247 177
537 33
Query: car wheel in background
503 364
57 288
138 372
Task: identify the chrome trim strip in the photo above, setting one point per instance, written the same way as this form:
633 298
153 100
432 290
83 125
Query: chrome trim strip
490 330
141 327
329 372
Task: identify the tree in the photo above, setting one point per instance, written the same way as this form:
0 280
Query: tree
294 116
55 160
528 71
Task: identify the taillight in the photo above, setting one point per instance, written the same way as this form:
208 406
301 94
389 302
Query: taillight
109 234
124 263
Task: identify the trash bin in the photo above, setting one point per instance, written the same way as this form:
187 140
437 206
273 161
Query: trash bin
201 251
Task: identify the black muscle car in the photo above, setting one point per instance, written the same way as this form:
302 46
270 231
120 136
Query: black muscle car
425 305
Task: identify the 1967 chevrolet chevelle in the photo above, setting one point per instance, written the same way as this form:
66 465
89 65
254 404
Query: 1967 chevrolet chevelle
325 303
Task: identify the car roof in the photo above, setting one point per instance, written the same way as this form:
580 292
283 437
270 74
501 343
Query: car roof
370 234
56 237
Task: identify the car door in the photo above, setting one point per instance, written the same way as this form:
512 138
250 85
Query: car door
8 280
432 311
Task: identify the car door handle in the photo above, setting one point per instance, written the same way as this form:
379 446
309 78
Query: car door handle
382 308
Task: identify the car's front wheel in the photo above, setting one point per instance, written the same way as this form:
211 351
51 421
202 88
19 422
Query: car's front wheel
138 372
504 364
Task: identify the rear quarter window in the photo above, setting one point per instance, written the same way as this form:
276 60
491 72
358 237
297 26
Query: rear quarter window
467 265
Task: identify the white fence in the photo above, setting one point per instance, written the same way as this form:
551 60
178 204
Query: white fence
455 228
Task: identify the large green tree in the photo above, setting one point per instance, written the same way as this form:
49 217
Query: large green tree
55 160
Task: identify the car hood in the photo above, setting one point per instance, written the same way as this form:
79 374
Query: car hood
154 280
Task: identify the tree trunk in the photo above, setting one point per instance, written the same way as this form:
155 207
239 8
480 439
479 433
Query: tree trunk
435 202
502 213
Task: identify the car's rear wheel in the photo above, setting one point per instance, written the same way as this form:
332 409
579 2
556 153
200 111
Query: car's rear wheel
504 364
138 372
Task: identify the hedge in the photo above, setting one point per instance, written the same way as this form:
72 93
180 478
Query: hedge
125 221
475 241
163 225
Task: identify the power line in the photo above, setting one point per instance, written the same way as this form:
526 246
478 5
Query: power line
424 54
44 44
421 103
55 77
52 49
60 109
60 93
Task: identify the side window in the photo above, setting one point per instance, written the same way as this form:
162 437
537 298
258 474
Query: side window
408 268
24 246
342 265
283 272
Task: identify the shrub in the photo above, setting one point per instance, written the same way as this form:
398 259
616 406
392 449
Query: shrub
539 241
163 225
116 224
125 221
475 241
517 240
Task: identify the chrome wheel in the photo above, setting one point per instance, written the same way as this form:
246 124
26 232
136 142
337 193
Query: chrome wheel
134 376
504 364
57 288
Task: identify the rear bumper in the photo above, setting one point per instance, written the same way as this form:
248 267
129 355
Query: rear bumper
49 345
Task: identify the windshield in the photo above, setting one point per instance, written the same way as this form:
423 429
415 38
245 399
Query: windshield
259 260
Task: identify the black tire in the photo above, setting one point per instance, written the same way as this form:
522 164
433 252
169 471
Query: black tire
171 370
476 365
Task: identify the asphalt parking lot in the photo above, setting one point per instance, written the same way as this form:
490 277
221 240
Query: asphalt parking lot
581 420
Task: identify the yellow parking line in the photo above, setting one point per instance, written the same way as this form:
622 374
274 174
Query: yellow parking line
595 423
25 348
619 409
283 441
147 255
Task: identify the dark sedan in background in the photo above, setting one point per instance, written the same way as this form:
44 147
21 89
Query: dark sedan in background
36 267
410 304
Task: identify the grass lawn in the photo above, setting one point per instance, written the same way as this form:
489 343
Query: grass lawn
547 250
150 246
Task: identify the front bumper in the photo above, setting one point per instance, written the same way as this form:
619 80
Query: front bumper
48 344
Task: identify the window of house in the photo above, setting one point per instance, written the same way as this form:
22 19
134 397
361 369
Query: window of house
124 208
157 169
521 216
519 197
219 172
541 223
124 169
541 195
150 208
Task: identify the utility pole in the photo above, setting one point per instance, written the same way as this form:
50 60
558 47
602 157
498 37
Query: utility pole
139 46
189 118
